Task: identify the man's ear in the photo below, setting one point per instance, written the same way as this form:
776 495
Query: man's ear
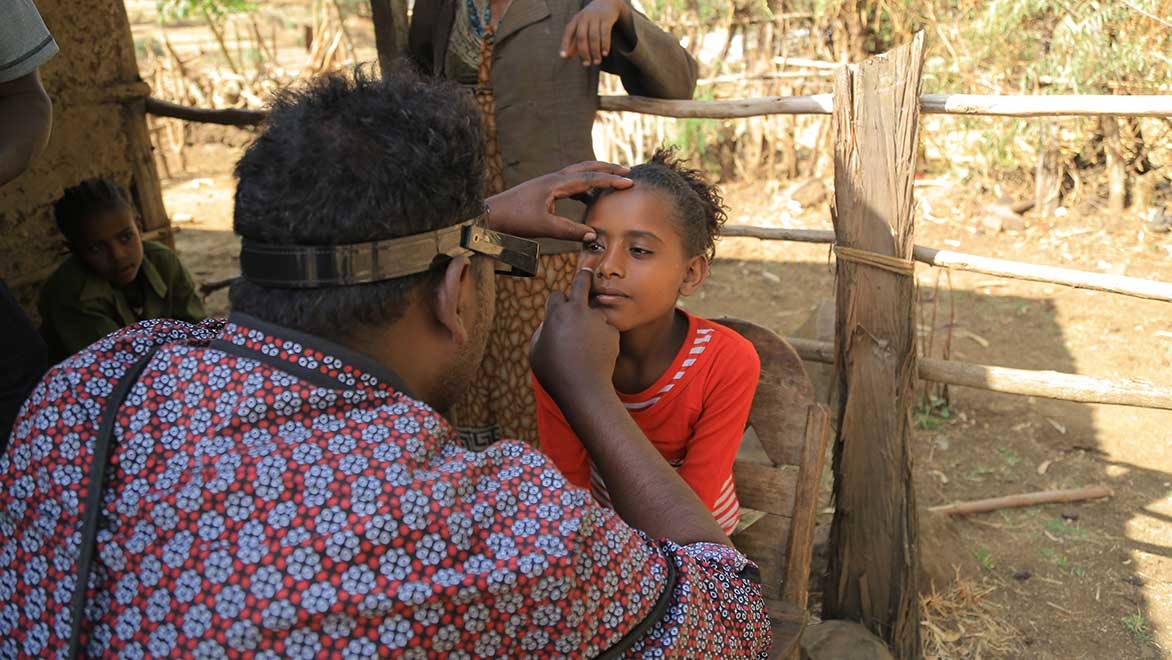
451 300
698 269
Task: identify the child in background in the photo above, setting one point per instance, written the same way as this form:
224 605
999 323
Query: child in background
686 381
112 278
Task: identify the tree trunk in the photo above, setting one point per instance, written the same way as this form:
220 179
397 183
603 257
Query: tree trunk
874 559
1116 174
1047 177
390 30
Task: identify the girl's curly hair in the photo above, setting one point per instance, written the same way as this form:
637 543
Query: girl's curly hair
699 208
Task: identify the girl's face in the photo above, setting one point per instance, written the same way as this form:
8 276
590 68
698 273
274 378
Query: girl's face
639 262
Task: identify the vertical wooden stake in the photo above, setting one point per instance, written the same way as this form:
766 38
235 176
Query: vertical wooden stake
390 30
873 566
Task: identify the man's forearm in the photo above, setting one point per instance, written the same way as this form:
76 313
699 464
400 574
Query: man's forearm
643 488
26 115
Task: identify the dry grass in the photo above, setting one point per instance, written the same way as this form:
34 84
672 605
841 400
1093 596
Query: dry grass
962 623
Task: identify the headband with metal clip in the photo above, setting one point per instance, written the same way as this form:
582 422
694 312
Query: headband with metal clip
318 266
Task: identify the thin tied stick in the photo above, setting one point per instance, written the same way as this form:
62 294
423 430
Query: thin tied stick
1024 499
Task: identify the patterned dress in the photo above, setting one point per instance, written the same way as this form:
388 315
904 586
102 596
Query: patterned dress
500 402
270 493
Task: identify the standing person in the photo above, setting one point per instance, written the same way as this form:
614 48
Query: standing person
284 483
686 381
534 66
26 115
112 277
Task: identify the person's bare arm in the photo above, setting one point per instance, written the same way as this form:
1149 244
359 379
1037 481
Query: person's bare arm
26 115
573 358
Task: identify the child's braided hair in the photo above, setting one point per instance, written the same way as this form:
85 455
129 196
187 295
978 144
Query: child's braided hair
700 210
87 198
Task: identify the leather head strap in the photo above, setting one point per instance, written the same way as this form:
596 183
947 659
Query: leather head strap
319 266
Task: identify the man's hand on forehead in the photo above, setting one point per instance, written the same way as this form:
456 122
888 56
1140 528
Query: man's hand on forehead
528 209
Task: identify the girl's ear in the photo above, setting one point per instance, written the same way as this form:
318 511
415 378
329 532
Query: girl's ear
698 269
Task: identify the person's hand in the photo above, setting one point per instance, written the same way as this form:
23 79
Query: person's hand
574 351
587 35
528 209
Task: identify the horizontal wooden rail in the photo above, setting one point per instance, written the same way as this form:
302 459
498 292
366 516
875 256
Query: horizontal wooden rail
778 234
1079 279
222 116
816 104
1047 384
948 104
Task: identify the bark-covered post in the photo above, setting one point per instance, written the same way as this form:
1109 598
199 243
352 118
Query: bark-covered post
390 30
145 188
872 574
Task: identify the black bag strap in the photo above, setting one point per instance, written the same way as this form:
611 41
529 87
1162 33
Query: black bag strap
91 514
653 617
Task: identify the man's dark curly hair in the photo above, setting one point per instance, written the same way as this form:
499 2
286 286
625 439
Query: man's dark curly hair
700 212
354 159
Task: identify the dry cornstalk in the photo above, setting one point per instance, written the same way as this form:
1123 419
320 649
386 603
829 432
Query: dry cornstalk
1024 499
220 40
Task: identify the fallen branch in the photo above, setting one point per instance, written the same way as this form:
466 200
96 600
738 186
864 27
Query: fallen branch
208 288
1024 499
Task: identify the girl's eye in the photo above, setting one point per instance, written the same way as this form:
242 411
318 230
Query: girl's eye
642 252
594 246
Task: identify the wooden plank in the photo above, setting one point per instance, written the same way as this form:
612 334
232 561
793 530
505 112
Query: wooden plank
766 488
800 545
1025 382
873 555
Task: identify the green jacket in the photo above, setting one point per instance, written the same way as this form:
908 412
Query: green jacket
78 307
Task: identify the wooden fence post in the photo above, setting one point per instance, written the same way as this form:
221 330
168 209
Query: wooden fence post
872 574
390 30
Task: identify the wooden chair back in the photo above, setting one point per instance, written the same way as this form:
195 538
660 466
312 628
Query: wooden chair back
777 474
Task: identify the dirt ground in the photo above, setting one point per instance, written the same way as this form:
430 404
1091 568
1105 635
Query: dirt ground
1088 580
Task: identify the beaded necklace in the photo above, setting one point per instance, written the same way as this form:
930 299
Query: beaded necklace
474 19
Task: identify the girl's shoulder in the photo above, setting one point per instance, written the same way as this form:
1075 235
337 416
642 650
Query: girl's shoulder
720 338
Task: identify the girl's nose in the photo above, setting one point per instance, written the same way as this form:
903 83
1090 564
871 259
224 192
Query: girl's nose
610 264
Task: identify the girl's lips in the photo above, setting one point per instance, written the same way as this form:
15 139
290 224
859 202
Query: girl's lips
604 296
607 299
